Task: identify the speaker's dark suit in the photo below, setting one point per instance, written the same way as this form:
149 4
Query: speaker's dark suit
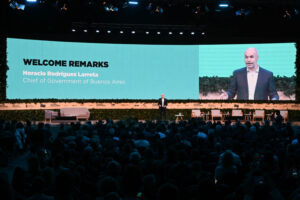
162 109
265 86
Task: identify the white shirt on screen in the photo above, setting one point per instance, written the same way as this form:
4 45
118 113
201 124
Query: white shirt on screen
162 102
252 80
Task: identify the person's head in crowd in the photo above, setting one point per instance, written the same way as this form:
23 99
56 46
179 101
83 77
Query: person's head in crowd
40 125
113 168
277 112
253 129
112 196
19 125
168 191
149 186
218 147
135 157
107 185
227 160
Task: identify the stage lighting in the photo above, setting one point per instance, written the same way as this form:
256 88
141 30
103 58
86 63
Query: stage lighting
159 10
121 32
170 33
149 6
180 33
158 33
85 30
242 12
133 2
15 5
108 31
110 8
132 32
147 32
31 1
73 30
97 31
203 33
192 33
223 5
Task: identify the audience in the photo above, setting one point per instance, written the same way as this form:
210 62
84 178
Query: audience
149 160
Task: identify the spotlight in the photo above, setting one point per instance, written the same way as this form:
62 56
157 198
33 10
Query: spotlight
170 33
180 33
192 33
73 30
147 32
224 4
85 30
158 33
133 2
203 33
97 31
108 31
132 32
31 1
121 32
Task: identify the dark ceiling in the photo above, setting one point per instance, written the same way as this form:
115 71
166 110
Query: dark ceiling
242 18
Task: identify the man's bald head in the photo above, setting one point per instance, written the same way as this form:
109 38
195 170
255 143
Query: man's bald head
251 58
252 50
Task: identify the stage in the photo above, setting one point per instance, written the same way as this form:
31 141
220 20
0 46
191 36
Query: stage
152 105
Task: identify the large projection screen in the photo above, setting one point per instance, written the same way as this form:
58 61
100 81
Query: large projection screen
73 70
68 70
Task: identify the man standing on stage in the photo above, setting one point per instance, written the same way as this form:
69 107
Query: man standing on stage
162 104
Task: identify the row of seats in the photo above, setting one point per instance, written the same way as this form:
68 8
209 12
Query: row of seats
257 114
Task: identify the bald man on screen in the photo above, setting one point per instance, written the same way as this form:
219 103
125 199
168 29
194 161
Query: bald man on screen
251 82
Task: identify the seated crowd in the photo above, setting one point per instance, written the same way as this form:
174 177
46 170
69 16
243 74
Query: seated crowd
160 160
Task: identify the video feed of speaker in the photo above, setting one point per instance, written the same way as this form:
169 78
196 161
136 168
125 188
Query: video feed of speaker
247 71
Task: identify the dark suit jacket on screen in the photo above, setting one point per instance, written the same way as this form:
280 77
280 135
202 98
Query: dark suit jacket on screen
265 86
